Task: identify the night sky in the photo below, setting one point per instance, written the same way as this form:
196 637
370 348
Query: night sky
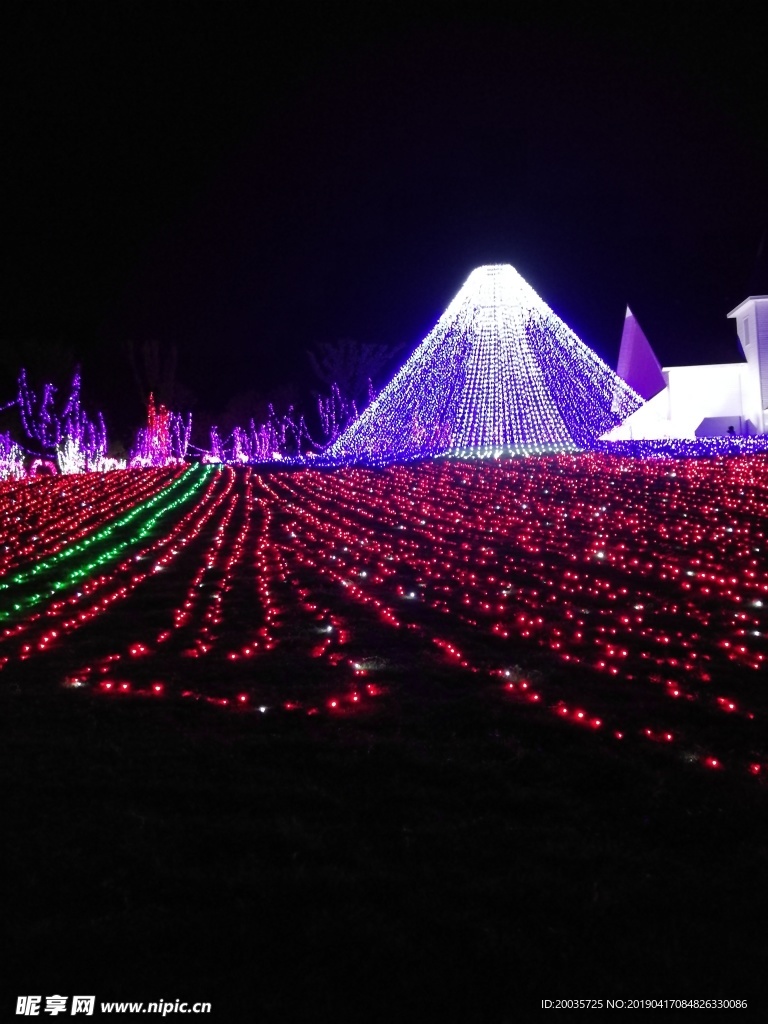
244 185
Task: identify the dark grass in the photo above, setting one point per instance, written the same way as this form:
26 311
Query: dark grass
444 855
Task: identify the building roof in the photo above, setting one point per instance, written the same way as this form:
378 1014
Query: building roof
751 298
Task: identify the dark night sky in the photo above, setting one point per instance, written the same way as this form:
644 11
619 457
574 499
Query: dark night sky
244 185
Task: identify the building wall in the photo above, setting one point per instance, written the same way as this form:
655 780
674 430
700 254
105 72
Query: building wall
715 392
698 401
761 330
751 318
711 400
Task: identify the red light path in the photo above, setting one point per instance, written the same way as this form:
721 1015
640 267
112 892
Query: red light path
625 597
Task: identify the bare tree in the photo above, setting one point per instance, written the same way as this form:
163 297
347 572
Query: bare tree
353 367
155 370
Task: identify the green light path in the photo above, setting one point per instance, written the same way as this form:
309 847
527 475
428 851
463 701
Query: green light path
57 573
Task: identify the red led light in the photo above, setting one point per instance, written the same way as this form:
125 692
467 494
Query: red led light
508 567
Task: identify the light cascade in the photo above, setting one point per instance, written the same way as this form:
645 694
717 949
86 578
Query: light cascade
500 372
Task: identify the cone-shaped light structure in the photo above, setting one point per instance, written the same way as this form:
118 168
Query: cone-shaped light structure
498 372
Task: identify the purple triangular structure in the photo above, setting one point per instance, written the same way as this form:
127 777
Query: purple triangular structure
638 366
499 373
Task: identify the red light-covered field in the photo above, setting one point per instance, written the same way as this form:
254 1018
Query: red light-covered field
627 598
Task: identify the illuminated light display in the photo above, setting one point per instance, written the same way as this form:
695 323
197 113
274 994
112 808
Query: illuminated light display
499 373
11 459
77 443
680 447
641 586
97 596
165 439
54 573
47 514
570 558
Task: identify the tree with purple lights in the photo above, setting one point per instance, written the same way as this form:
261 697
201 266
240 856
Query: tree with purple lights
77 443
336 415
499 372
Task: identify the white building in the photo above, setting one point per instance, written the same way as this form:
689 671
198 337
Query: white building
698 401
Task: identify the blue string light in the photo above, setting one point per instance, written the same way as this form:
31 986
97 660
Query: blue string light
499 374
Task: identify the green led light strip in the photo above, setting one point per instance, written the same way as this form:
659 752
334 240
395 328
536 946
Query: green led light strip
84 570
103 534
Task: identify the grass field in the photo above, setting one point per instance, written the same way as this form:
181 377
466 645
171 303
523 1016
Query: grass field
433 742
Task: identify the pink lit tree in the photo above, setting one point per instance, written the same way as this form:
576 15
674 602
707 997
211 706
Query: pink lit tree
165 439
